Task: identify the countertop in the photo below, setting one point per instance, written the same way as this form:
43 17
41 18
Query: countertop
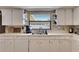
35 34
52 35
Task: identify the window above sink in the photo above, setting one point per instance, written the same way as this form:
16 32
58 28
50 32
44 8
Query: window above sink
39 16
40 20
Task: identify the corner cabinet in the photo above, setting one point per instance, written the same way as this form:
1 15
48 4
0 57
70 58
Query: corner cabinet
12 16
64 16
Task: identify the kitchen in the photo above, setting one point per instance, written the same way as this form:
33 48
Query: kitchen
39 29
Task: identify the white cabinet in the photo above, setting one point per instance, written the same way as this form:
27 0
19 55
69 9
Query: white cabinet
39 45
17 17
1 45
75 45
21 45
60 16
68 16
65 45
54 45
76 16
12 44
6 16
60 45
64 16
50 44
6 45
12 16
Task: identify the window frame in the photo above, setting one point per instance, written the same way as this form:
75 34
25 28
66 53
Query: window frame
41 21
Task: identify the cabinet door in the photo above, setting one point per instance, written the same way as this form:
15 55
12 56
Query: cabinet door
75 45
1 45
68 16
39 45
6 45
65 45
20 45
54 45
6 17
17 17
76 16
60 45
60 16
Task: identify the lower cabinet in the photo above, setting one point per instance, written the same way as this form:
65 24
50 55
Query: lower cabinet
21 45
75 45
61 45
65 45
14 45
50 45
1 45
39 45
6 45
54 45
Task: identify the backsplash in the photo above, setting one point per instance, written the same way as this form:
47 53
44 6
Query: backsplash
59 28
13 29
76 29
54 29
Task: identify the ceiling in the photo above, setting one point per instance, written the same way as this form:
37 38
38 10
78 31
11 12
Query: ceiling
37 8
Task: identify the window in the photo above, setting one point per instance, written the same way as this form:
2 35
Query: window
39 16
40 20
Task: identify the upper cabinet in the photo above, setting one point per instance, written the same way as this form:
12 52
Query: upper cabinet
76 16
17 17
6 16
60 17
68 16
64 16
12 16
